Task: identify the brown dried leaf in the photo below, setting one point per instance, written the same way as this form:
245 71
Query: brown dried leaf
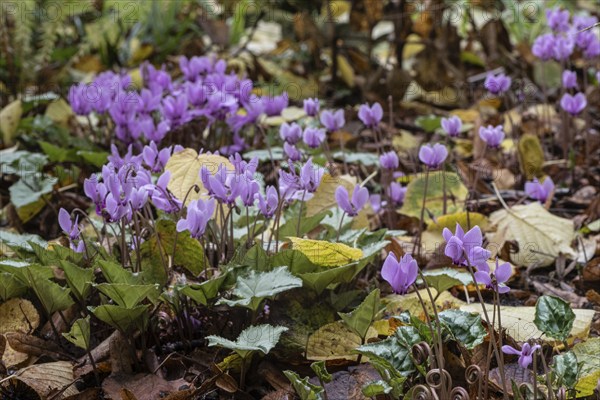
49 378
34 346
142 386
18 315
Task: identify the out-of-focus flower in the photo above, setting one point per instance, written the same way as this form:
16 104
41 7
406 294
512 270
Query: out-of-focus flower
433 155
539 191
313 137
351 206
333 121
492 135
311 107
569 79
199 212
310 176
396 193
525 354
274 105
268 204
389 160
80 98
543 46
573 104
452 126
292 152
401 275
563 47
370 116
175 109
558 19
290 133
494 280
497 84
462 245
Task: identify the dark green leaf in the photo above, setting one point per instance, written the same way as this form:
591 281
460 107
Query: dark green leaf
205 291
321 371
80 333
127 295
554 317
10 286
52 296
465 327
359 320
304 389
377 388
118 317
79 279
566 369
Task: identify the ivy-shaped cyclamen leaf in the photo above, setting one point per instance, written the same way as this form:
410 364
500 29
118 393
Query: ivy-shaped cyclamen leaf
465 327
359 320
252 289
554 317
304 389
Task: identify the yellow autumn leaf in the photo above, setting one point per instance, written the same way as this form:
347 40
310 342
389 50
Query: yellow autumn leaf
185 169
324 197
395 304
324 253
9 120
335 341
540 235
518 322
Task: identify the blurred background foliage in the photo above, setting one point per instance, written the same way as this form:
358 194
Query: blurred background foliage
373 48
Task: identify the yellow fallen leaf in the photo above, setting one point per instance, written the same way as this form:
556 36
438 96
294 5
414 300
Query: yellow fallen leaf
324 197
541 236
185 169
18 315
345 70
395 304
467 116
9 120
324 253
335 341
518 322
59 111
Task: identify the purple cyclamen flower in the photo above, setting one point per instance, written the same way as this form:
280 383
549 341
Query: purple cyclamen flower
543 47
268 204
313 137
290 133
370 116
592 49
563 47
389 160
462 245
539 191
161 197
491 135
155 159
573 104
598 77
497 84
274 105
310 177
292 152
249 188
401 275
175 110
224 185
569 79
433 155
396 193
360 196
199 212
67 225
452 126
195 66
311 107
494 280
525 354
558 20
333 121
80 100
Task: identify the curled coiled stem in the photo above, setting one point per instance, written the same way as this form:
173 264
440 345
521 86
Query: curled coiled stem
421 352
422 392
459 393
473 374
439 379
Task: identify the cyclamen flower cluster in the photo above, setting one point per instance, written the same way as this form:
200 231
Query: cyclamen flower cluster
125 184
206 90
467 249
566 37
